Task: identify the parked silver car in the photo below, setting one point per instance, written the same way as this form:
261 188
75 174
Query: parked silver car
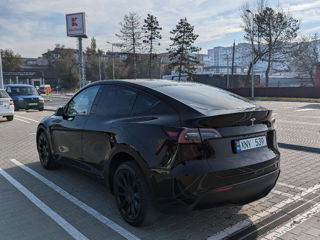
6 105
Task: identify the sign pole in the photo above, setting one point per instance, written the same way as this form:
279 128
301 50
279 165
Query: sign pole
76 27
1 75
81 65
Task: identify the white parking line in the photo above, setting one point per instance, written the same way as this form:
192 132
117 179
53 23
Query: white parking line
305 109
299 123
21 120
291 186
114 226
29 119
293 223
274 209
282 193
43 207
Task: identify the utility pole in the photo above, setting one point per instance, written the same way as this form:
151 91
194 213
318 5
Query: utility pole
233 52
113 75
252 72
227 70
1 75
99 67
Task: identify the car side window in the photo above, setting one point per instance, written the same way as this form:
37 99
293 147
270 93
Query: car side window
82 103
8 89
116 101
144 103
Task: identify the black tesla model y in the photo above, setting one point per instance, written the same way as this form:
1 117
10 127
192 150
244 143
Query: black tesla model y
163 145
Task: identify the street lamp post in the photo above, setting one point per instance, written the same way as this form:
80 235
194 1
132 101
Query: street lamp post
113 75
1 75
252 68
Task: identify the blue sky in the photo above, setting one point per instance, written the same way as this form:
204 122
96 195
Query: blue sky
30 27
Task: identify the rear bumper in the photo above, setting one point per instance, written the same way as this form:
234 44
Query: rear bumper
240 193
6 114
195 192
9 112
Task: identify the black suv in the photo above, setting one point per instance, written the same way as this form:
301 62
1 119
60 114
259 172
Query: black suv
163 145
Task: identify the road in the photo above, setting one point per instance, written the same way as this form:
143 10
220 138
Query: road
66 204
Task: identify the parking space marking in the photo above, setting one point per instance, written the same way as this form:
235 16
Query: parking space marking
21 120
276 208
291 186
29 119
299 123
306 109
293 223
282 193
43 207
103 219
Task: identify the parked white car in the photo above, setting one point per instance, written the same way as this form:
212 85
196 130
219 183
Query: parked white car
6 105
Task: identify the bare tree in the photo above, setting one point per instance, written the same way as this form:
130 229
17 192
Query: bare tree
131 36
306 55
252 33
272 30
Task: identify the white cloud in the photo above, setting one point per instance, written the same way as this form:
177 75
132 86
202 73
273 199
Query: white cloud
31 27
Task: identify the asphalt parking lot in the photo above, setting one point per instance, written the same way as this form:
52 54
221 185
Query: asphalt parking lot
66 204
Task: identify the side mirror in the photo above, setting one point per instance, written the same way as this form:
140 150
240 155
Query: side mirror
59 111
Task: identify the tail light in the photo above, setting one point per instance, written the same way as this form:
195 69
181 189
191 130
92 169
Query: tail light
195 135
11 102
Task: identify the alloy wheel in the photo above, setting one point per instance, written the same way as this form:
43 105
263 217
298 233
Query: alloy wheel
127 194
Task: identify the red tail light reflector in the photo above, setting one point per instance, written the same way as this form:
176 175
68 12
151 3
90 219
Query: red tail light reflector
195 135
222 189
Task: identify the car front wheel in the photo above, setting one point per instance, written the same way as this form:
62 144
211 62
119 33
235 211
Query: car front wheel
44 150
132 195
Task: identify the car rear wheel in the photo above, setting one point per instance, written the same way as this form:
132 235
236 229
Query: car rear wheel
40 109
9 118
44 150
132 195
16 108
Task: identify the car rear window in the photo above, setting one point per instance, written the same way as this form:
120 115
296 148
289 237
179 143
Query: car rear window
204 98
4 94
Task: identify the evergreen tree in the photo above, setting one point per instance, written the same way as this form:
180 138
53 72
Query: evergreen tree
131 36
151 36
181 50
93 43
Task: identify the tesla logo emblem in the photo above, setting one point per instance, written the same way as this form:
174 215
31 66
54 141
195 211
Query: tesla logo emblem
252 121
73 21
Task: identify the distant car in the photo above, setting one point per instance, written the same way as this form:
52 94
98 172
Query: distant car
165 145
43 88
25 97
6 105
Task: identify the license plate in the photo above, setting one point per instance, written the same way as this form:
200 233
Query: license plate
250 143
33 104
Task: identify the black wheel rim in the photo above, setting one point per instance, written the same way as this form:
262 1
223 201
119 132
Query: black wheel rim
43 148
127 194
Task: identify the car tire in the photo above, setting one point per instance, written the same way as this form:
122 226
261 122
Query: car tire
16 108
133 196
45 155
40 109
9 118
